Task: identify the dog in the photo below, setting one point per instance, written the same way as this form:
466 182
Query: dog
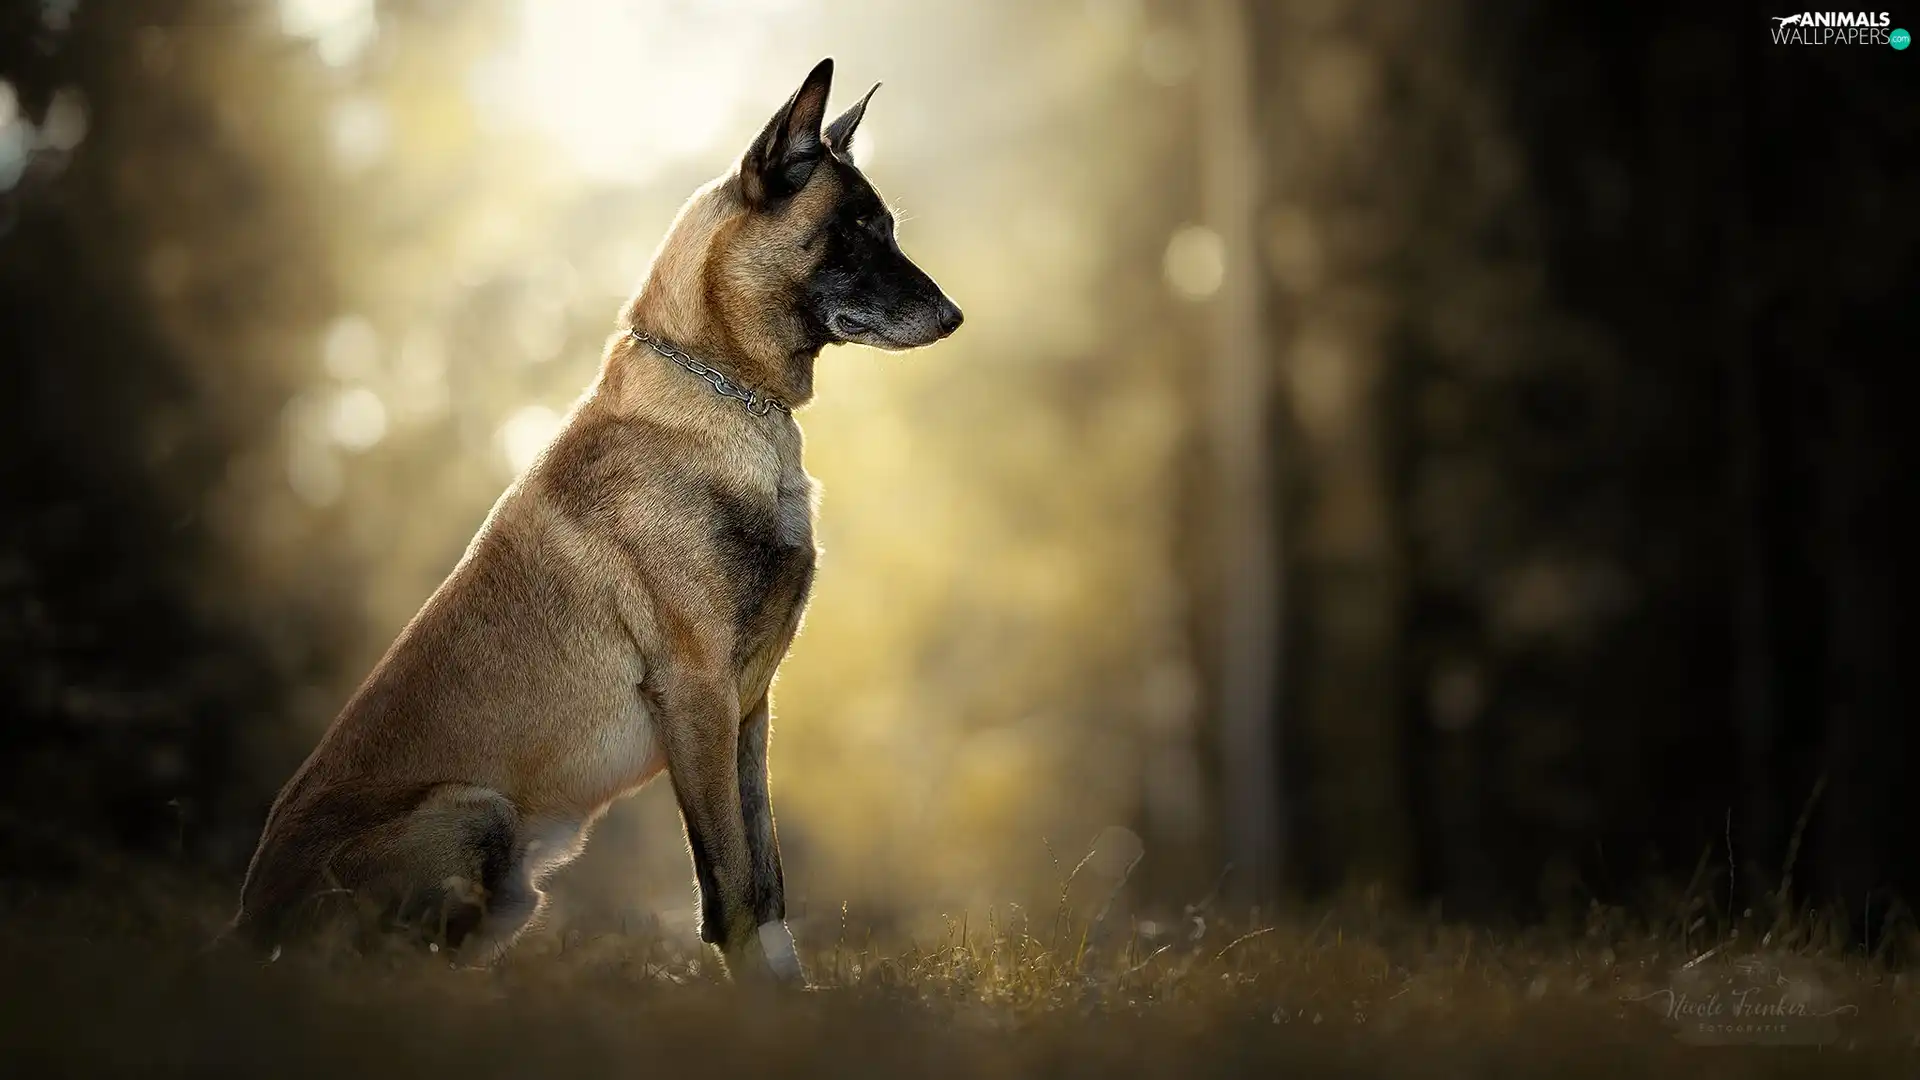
626 603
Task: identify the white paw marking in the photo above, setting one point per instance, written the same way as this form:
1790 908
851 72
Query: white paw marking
777 942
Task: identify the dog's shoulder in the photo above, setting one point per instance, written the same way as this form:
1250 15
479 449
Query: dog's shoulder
598 458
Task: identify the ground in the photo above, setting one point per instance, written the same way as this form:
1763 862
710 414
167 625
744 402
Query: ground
113 976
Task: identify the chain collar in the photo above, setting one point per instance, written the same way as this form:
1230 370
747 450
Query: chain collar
757 403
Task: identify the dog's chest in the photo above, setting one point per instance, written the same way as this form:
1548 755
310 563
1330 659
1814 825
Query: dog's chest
765 543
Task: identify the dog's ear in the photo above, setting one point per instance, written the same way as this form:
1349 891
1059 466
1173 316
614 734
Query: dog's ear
839 134
782 159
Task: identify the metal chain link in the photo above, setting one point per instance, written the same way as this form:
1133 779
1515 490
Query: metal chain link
757 403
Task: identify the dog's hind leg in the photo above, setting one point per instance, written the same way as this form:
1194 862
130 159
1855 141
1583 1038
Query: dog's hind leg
763 846
514 900
513 904
469 871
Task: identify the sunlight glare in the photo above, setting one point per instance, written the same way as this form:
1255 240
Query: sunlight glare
624 87
340 29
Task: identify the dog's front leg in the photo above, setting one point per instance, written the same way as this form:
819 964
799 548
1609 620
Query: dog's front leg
699 723
763 843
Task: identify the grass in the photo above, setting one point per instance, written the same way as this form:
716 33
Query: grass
110 978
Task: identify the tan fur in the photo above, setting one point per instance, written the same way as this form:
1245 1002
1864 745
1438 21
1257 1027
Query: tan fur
624 607
579 647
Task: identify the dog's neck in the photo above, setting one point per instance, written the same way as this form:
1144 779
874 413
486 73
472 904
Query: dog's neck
770 352
637 383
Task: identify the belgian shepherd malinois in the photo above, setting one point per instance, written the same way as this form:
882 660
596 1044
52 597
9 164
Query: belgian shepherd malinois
624 606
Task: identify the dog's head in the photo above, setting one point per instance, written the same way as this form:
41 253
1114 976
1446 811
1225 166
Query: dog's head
807 243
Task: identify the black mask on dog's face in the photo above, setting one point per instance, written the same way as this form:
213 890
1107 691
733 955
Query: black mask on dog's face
863 289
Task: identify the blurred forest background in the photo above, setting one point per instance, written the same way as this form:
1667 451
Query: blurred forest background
1445 446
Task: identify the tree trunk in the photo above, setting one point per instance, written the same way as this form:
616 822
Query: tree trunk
1243 511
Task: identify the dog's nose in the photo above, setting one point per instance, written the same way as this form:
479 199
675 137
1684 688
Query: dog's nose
950 317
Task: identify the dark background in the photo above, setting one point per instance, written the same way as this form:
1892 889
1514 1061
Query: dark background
1635 584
